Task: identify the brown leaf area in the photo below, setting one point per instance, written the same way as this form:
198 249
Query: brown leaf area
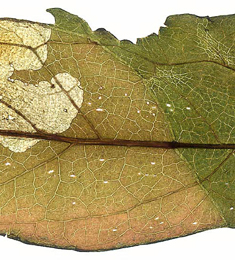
88 197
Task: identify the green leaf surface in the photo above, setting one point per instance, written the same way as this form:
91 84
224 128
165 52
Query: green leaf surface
106 144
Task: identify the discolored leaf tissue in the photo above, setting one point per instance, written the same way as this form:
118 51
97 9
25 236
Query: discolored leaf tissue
106 144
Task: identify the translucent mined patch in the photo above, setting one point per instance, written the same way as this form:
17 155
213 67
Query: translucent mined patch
16 144
48 109
21 37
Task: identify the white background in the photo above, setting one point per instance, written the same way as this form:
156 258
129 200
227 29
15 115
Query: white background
126 20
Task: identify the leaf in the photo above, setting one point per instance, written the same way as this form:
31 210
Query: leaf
105 143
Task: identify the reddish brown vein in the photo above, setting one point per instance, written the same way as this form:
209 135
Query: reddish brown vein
20 114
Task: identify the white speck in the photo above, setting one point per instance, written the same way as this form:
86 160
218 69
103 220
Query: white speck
105 181
154 175
171 110
7 163
100 97
231 208
89 103
195 223
125 94
168 105
147 103
101 87
72 176
139 173
226 183
51 171
146 174
11 65
153 163
101 160
114 230
99 109
1 96
153 114
188 108
73 202
154 107
26 84
12 80
157 218
138 111
10 117
151 227
161 223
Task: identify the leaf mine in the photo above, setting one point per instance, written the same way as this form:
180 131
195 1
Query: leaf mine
42 107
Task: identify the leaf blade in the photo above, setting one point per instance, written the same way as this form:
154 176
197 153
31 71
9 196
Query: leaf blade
99 197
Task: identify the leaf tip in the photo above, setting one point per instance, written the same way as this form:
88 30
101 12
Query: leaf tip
69 22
